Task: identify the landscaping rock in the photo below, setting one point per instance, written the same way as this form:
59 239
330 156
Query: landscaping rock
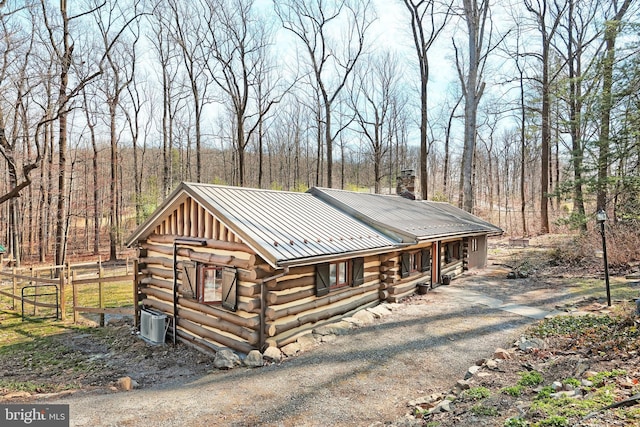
339 328
472 371
272 354
17 395
291 349
379 311
226 359
463 385
443 406
502 354
125 383
531 344
491 364
307 342
364 316
253 359
327 338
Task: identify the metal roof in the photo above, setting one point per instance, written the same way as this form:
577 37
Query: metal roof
409 219
280 226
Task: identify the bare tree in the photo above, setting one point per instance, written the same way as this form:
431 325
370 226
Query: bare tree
239 44
547 17
120 59
332 59
477 17
372 100
21 85
167 57
62 45
188 29
427 23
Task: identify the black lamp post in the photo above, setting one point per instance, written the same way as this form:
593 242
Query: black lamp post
601 216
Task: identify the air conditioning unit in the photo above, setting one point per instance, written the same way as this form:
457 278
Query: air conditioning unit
153 326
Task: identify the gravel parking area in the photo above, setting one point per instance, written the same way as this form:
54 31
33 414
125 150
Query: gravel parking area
364 377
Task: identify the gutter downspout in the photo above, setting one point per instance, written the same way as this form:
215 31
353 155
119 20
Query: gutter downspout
263 304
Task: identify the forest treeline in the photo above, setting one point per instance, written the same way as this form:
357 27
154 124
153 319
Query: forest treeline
525 113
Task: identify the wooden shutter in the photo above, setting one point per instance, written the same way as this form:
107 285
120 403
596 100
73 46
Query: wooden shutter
426 260
322 279
229 288
405 268
189 284
357 271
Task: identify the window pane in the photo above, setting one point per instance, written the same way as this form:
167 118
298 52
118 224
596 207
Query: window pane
212 291
342 273
332 274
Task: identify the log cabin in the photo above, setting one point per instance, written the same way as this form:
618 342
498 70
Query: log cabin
246 268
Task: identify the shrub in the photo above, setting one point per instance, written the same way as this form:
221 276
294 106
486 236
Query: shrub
553 421
516 422
530 379
485 411
514 391
476 393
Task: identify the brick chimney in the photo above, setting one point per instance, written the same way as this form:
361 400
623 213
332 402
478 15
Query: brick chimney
406 184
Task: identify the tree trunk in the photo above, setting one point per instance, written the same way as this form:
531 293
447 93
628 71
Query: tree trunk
61 207
610 35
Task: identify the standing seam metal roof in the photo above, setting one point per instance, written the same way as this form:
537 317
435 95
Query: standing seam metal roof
420 220
288 225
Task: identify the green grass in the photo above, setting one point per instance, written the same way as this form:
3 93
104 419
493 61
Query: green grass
36 349
115 294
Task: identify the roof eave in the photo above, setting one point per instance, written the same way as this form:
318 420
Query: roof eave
333 257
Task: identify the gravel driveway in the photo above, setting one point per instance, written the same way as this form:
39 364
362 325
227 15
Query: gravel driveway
364 377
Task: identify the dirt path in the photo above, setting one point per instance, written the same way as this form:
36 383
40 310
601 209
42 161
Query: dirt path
362 378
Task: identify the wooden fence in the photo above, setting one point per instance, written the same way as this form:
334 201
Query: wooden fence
86 284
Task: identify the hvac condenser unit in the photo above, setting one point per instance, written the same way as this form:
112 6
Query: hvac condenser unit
153 326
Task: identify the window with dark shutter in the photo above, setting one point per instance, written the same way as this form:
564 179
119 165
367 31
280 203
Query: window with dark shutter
188 286
358 271
229 288
322 279
426 260
405 265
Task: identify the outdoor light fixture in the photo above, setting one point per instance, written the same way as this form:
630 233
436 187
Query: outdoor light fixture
601 217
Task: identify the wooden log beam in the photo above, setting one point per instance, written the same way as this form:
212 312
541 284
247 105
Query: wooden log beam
210 243
292 335
274 314
208 334
199 330
317 316
204 257
399 297
160 283
150 260
246 334
197 343
281 285
275 298
247 322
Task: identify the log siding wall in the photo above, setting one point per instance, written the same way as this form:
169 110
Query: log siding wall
293 308
273 308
